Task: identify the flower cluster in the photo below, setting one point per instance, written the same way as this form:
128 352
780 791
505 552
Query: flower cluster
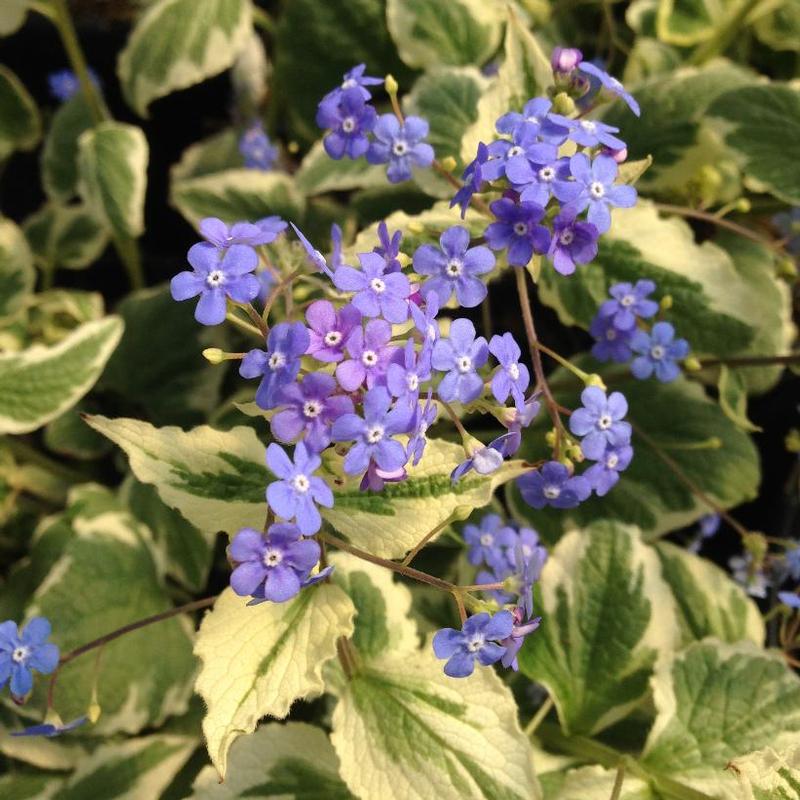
511 556
620 333
355 129
22 651
256 148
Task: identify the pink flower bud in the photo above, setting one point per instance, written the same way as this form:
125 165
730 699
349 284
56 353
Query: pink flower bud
565 59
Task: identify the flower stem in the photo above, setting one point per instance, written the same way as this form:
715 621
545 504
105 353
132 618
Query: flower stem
243 326
425 539
537 719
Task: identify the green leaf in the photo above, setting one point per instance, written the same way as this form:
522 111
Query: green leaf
761 124
733 399
213 154
17 275
428 33
258 660
689 22
525 73
20 124
65 236
295 761
715 702
12 15
448 98
141 767
237 194
60 151
779 28
39 384
105 578
319 173
177 43
769 774
708 601
404 729
68 435
112 164
174 384
28 786
704 445
607 614
597 783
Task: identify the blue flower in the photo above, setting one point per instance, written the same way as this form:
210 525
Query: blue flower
629 302
330 329
373 434
400 146
611 84
484 460
594 187
370 352
274 566
573 242
611 344
658 352
599 422
314 255
453 268
425 318
512 377
517 229
536 182
791 599
424 417
403 379
708 526
376 478
51 729
473 180
389 247
349 119
590 132
793 559
528 564
477 640
64 83
216 232
256 148
354 79
279 365
23 651
751 579
488 542
378 293
553 485
519 632
603 475
535 118
525 146
298 492
216 275
460 357
516 422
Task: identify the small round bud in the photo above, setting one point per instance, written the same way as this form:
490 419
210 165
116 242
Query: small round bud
448 163
563 104
666 302
565 59
93 712
403 260
620 155
391 85
594 380
786 268
756 544
293 147
567 463
743 205
692 364
550 438
575 453
214 355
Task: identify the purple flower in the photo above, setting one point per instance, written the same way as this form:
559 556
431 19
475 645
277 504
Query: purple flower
513 378
349 119
535 118
574 242
611 84
563 60
64 83
658 352
611 344
370 355
51 729
484 460
594 187
528 564
22 651
536 182
524 146
453 268
791 599
266 230
314 255
425 318
590 132
272 567
256 148
377 293
517 421
473 180
389 247
217 275
599 422
514 642
298 492
460 356
376 478
309 407
354 79
424 417
603 475
477 640
330 329
628 303
373 434
709 525
488 542
403 378
516 228
286 344
400 146
552 485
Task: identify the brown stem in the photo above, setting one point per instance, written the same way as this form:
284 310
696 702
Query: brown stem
425 539
751 361
255 317
454 418
276 292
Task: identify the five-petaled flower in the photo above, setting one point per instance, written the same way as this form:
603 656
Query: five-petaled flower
370 355
400 146
477 640
377 293
22 651
659 351
599 421
460 356
512 377
553 485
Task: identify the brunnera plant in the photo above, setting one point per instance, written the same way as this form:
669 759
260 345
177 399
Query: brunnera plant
401 487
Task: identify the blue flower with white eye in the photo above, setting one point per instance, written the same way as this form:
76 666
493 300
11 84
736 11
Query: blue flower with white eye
377 293
600 422
629 302
659 351
590 132
488 541
403 378
553 485
536 119
460 356
513 377
476 641
349 119
603 475
256 148
22 651
525 145
353 79
517 229
400 146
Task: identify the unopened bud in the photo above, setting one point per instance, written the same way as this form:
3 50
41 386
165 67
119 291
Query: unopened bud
213 355
93 712
402 259
786 268
743 205
666 302
756 545
620 155
594 380
565 59
563 104
575 453
448 163
692 364
550 438
567 463
293 147
390 85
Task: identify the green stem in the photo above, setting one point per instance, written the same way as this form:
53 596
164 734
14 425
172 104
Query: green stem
537 719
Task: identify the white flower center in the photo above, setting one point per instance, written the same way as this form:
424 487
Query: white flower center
566 237
657 352
527 551
215 278
369 358
547 174
551 492
588 125
516 150
312 409
272 557
300 483
597 190
487 539
612 460
520 229
412 381
534 120
374 434
475 644
277 360
20 654
377 285
627 301
513 371
454 267
348 124
464 364
400 147
332 338
605 422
